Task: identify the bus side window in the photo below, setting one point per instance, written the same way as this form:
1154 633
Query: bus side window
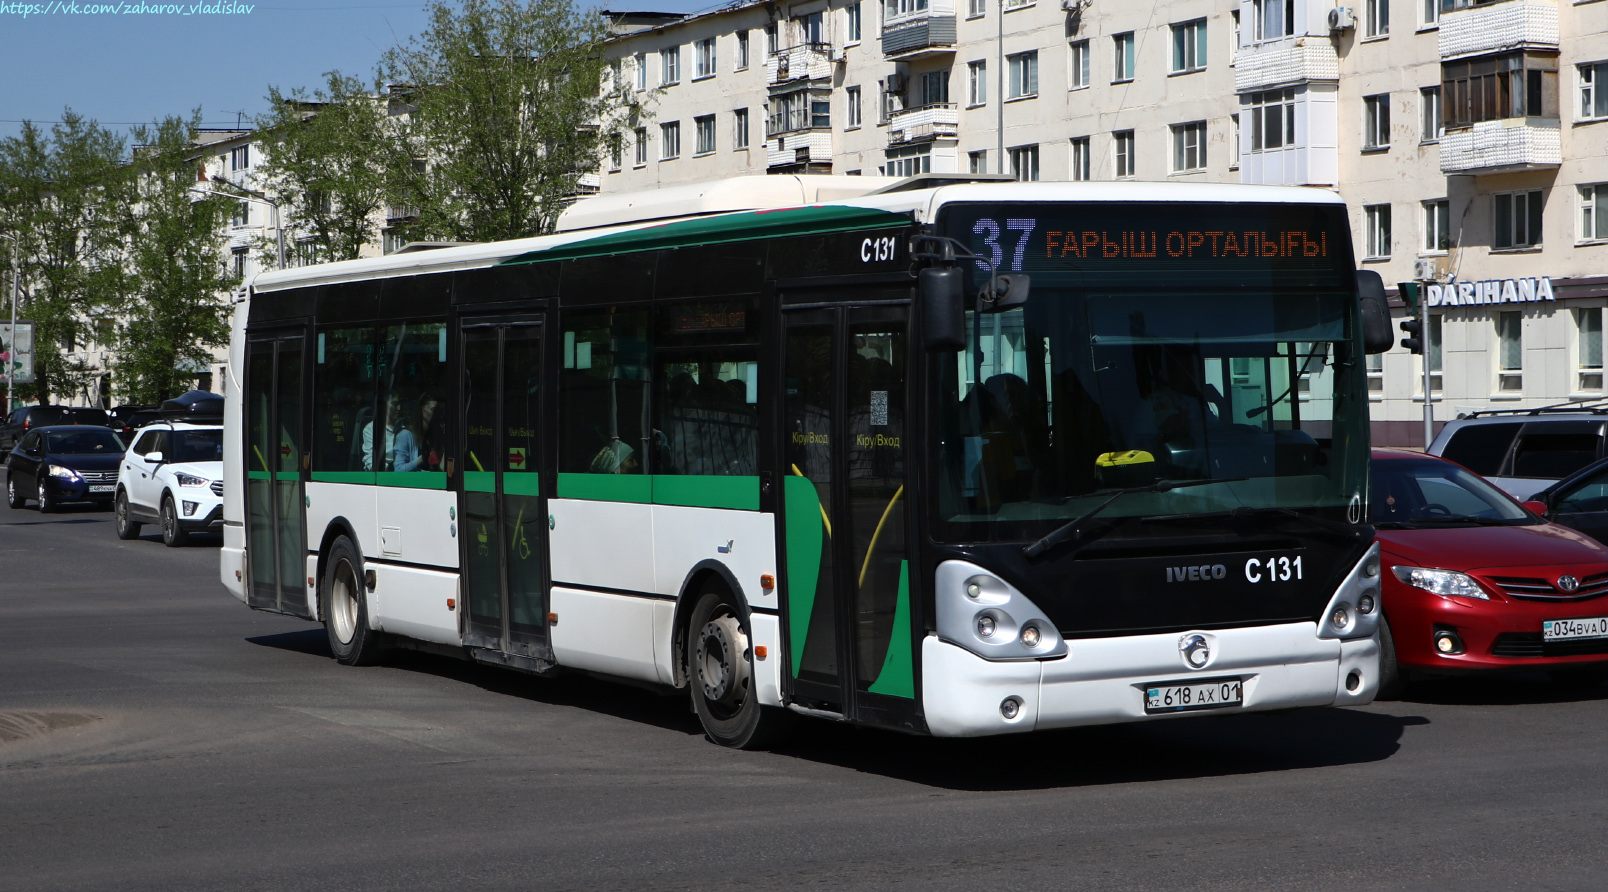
706 390
603 392
413 415
343 397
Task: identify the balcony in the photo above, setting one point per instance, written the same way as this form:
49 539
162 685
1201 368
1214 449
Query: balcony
1282 63
919 35
1505 146
802 151
807 60
398 213
940 120
1498 27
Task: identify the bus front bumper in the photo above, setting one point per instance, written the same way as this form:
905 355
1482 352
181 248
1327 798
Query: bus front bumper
1103 681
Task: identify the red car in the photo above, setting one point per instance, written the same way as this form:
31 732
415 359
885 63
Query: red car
1474 581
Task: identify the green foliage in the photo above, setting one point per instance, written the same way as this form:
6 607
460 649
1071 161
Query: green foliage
323 165
500 107
175 267
62 196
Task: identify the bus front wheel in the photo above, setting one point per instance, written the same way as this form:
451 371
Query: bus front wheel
346 607
721 678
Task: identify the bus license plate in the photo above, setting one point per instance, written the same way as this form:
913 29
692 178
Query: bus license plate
1565 629
1214 693
106 488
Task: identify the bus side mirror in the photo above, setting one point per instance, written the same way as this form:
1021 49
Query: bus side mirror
1011 292
940 291
1377 335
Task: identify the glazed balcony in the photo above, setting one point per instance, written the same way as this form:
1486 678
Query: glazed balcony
1505 146
1284 62
940 120
1499 27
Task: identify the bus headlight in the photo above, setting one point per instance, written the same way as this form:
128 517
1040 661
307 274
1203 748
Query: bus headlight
986 615
1353 610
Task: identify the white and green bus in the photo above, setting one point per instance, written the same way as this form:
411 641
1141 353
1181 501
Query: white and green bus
945 458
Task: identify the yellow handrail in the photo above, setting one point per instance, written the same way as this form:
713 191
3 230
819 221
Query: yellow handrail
824 519
871 549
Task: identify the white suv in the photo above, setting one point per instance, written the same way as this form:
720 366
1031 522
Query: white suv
172 475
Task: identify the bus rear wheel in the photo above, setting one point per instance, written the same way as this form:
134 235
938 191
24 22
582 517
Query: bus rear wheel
721 678
346 607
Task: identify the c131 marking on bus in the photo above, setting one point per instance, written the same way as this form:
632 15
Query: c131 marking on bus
879 249
1273 569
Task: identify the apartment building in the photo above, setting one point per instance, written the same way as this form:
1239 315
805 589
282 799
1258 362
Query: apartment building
1469 139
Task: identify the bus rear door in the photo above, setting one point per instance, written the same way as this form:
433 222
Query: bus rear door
276 537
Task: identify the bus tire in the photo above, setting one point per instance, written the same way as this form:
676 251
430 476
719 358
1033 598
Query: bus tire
173 535
127 526
720 678
1392 680
346 607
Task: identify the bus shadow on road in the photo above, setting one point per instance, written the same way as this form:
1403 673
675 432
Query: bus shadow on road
1113 754
1513 689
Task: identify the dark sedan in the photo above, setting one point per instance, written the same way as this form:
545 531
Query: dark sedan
1579 500
62 463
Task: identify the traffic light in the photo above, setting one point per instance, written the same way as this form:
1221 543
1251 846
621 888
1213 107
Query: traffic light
1414 342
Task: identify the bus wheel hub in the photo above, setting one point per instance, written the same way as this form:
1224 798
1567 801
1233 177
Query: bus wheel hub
723 660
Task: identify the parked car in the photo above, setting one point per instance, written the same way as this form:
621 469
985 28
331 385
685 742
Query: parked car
1579 501
63 463
1474 581
128 419
25 419
1523 451
172 475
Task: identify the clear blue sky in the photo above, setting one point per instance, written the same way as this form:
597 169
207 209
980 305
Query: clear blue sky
123 69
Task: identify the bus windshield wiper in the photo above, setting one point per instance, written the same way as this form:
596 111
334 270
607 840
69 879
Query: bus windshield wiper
1345 530
1072 528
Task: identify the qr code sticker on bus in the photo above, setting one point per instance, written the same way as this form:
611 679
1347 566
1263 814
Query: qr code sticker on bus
879 408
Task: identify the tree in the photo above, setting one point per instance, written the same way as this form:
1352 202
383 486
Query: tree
324 166
176 267
504 105
62 197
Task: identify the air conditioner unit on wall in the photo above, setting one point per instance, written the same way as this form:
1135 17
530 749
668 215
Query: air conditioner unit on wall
1426 269
1341 18
1074 6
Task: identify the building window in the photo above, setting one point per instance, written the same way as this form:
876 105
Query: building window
742 51
703 58
1509 351
1274 18
1594 212
1376 18
1376 219
1437 226
1593 90
669 140
1122 67
739 128
1189 46
1078 60
670 65
773 41
641 146
240 158
976 9
1432 13
853 114
977 83
821 113
977 161
1376 121
1495 87
1517 217
1272 120
1024 163
1124 152
1234 37
1233 143
242 214
1189 147
1080 159
935 87
1588 352
641 71
1376 376
1429 102
909 163
1432 348
812 29
616 152
852 18
1023 75
237 262
704 126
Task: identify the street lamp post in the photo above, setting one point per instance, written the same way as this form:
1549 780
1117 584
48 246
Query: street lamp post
253 195
11 361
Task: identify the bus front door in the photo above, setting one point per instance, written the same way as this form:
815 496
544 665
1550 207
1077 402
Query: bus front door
276 538
845 509
503 515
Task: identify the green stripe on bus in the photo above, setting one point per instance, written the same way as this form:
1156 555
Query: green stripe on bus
522 483
344 477
412 479
804 539
258 475
479 481
605 487
898 675
701 491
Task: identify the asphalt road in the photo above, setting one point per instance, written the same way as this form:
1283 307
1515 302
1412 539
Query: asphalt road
156 734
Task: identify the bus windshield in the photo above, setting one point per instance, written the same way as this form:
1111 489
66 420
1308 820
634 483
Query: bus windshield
1102 382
